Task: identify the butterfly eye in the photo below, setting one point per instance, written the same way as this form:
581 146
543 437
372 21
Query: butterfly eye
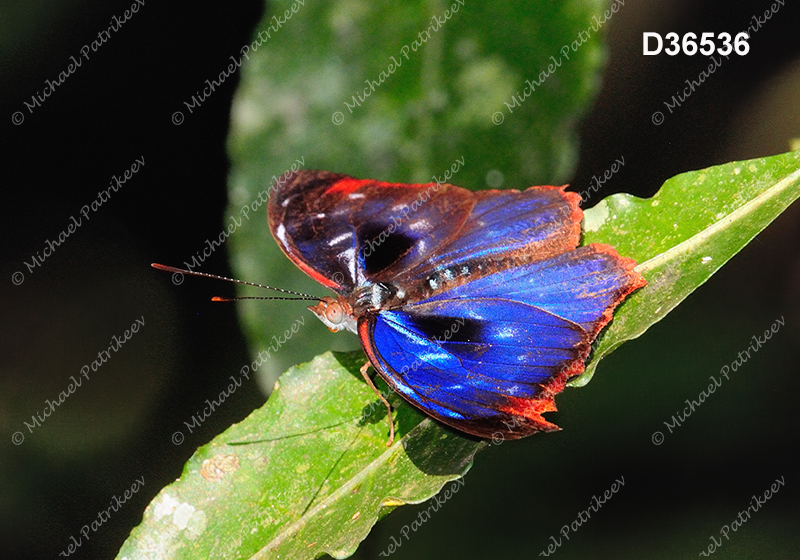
334 313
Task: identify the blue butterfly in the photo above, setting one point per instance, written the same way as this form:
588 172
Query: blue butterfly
475 307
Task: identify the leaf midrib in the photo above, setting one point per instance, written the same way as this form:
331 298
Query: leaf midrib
346 487
698 238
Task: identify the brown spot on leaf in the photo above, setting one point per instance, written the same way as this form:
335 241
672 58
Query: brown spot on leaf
214 469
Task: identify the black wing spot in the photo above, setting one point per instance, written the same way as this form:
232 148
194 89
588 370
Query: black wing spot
381 248
448 329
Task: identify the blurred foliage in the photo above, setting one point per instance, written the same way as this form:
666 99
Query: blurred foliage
436 106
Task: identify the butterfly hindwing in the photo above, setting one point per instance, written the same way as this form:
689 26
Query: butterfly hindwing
583 285
488 356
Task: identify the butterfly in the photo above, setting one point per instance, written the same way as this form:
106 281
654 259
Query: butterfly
475 307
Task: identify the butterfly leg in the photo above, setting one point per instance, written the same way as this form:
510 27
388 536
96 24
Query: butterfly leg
367 378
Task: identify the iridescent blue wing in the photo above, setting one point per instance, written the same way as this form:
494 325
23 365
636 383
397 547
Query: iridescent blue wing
488 356
583 286
345 232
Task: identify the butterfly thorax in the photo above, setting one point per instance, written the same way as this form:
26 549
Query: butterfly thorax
376 297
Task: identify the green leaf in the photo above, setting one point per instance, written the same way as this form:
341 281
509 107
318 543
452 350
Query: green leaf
685 233
308 473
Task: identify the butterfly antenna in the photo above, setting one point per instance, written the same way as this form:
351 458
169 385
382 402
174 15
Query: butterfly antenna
181 271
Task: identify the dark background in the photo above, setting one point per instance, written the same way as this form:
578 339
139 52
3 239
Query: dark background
117 107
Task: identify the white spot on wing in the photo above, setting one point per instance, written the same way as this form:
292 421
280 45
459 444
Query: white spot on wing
280 233
339 239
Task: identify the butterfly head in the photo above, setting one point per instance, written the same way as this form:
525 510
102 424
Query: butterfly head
336 313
